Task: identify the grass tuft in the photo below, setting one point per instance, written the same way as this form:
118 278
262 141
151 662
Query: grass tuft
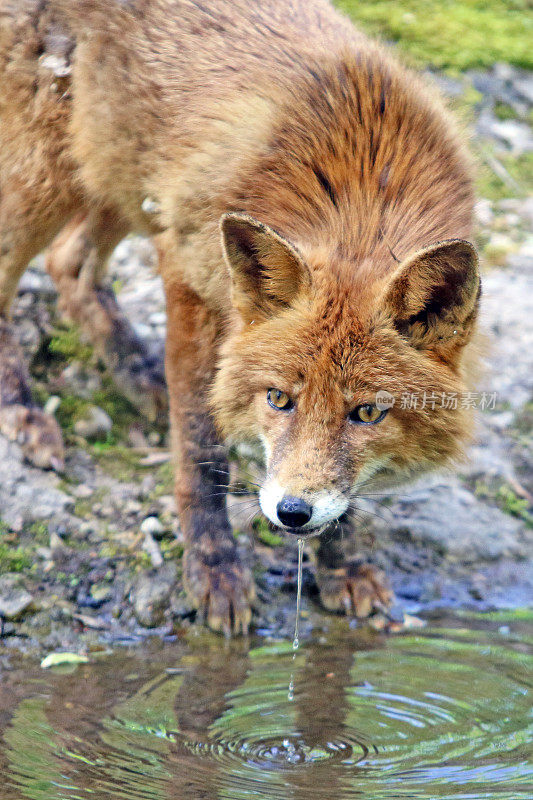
453 35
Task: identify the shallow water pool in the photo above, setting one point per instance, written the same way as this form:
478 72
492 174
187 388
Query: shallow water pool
442 713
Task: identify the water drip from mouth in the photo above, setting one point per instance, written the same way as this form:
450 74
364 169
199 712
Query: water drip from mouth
296 640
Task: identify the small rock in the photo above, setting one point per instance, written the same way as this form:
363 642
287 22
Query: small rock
516 135
152 526
484 212
80 381
136 437
524 87
101 592
56 545
14 598
142 330
36 281
503 71
52 404
27 495
87 528
82 491
155 459
151 595
133 507
180 605
151 547
158 318
167 503
96 424
525 210
29 335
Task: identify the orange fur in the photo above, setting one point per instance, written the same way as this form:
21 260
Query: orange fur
329 163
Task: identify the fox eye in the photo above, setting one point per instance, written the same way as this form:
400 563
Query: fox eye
279 400
367 414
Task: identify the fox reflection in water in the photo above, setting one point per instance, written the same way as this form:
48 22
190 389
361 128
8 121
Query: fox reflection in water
187 719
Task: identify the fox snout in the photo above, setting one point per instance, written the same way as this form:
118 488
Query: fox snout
301 513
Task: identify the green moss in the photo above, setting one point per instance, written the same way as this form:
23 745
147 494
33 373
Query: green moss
503 111
66 344
264 534
514 505
70 409
13 559
117 460
40 393
451 34
519 170
466 104
171 549
39 532
141 562
83 507
523 422
122 412
164 480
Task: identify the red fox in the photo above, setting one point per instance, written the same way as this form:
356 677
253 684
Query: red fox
311 204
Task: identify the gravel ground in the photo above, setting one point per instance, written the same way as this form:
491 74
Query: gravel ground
94 557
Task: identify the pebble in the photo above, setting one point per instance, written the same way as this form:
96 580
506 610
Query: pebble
79 381
96 424
151 526
82 491
516 135
56 544
14 598
484 213
151 595
101 592
52 404
151 547
158 318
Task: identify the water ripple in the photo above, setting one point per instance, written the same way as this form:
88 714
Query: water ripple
446 713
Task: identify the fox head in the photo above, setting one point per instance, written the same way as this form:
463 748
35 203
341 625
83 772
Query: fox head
351 377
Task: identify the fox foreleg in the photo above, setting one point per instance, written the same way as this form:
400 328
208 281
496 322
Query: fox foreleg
215 578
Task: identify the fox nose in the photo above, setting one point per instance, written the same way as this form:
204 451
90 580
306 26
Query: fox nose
293 512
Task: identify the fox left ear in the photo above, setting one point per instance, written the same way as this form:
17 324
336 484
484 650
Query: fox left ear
434 295
267 271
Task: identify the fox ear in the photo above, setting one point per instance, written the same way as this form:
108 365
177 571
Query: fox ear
433 296
267 272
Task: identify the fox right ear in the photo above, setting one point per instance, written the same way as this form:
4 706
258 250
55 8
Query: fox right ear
266 270
433 297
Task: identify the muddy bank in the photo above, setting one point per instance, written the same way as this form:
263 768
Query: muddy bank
94 555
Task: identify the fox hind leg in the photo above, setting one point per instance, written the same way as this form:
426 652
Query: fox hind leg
76 261
26 226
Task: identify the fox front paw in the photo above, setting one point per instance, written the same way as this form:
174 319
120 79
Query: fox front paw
356 588
37 433
221 587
